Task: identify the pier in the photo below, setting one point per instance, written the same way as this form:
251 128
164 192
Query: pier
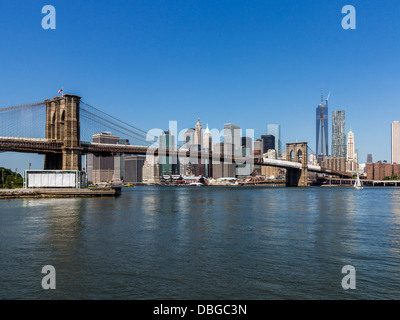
59 193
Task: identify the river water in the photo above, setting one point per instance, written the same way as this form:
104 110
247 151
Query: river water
204 243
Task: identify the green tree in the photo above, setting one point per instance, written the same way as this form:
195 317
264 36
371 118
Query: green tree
10 179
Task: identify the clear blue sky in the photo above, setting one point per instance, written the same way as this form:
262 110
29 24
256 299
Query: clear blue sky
244 62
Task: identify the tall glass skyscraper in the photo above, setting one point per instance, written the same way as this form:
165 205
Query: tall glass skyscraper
275 130
268 142
338 134
168 164
322 130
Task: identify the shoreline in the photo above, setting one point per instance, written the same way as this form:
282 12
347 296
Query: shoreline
58 193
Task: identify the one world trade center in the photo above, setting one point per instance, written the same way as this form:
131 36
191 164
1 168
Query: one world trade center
322 129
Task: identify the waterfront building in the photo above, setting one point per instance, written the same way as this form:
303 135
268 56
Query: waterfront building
275 130
133 168
333 163
151 169
338 134
271 172
351 153
105 168
396 142
322 130
223 169
381 170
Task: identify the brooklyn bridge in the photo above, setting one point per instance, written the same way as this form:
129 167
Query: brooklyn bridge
60 129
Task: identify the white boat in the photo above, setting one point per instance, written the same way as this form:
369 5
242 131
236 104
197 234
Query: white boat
357 183
196 184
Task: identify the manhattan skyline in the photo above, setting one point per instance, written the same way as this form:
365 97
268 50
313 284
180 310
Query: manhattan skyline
244 63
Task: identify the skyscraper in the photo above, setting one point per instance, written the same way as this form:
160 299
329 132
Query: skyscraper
275 130
232 135
207 139
207 145
245 169
396 142
168 164
338 134
369 158
198 134
268 143
322 129
105 168
351 153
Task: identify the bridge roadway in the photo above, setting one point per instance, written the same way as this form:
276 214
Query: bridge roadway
42 146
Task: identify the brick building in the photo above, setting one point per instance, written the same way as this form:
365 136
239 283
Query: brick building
379 170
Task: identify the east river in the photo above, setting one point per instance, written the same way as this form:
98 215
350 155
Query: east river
204 243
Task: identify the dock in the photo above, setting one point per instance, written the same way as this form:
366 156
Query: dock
59 193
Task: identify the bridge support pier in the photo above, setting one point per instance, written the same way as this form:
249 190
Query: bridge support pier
63 125
297 152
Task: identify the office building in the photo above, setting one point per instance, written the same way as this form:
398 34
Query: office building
188 137
207 147
245 169
396 142
333 163
271 172
379 170
232 135
223 169
133 169
198 134
275 130
351 158
338 134
322 130
151 169
369 158
168 164
105 168
268 143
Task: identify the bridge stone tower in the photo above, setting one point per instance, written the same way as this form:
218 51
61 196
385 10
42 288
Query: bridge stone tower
297 152
63 126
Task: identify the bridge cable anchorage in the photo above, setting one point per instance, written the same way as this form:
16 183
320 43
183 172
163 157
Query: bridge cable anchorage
112 128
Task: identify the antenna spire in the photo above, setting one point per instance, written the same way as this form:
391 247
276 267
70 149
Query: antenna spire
322 94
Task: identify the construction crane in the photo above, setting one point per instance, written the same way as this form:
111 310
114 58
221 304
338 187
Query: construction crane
327 98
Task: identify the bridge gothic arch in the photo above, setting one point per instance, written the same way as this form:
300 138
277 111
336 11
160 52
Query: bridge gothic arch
297 152
63 126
